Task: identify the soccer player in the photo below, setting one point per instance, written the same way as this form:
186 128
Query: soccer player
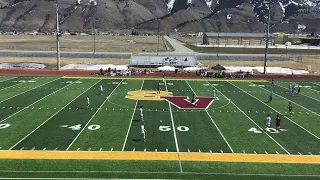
268 120
163 76
290 108
193 100
278 123
292 90
141 113
143 133
298 90
101 89
88 101
158 89
214 93
272 83
270 97
290 87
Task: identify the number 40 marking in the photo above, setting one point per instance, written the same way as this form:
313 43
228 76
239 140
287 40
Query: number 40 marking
78 127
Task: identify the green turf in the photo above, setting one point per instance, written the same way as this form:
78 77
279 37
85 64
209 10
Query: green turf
34 115
154 169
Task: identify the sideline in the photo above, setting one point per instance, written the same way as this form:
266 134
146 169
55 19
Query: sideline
164 156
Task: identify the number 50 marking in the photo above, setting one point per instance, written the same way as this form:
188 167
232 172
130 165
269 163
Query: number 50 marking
168 128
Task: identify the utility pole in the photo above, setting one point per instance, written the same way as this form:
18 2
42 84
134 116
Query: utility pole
57 36
94 41
267 42
158 37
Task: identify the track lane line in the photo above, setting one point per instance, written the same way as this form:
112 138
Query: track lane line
53 115
93 116
251 119
34 103
278 112
174 129
134 111
225 140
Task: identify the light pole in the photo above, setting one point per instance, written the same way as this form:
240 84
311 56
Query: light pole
158 37
267 41
94 41
57 36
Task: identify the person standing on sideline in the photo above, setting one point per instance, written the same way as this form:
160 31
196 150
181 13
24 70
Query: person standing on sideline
163 76
268 120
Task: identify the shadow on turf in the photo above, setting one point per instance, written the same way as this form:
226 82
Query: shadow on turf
137 139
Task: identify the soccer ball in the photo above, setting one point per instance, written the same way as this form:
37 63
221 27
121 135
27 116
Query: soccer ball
160 121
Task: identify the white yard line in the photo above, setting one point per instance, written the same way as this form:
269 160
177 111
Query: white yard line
14 85
7 79
290 101
278 112
54 115
159 172
174 130
28 90
212 119
93 116
134 110
252 120
302 94
34 103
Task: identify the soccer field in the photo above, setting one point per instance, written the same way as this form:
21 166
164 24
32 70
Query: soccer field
46 118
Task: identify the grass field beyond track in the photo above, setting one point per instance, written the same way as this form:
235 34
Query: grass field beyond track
51 114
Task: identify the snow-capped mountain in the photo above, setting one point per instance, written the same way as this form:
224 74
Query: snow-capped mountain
146 15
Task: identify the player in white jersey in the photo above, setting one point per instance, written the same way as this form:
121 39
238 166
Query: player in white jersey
101 89
88 102
268 119
214 93
143 133
290 87
141 113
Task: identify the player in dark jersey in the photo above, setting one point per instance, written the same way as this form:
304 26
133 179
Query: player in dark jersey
193 100
270 97
272 83
158 89
278 123
290 108
298 90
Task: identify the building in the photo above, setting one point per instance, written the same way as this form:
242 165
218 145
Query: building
240 39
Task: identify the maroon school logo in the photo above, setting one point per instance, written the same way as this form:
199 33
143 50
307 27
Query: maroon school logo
182 102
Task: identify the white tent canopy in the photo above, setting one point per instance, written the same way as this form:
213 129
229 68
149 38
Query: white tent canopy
166 68
192 68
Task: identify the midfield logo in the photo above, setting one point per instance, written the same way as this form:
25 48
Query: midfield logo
181 102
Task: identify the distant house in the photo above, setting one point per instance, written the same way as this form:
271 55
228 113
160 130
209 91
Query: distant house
243 39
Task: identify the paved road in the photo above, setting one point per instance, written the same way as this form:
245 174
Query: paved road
178 46
124 55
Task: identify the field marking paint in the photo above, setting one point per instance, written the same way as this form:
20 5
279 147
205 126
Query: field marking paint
254 121
14 85
34 103
174 129
303 94
85 126
212 119
134 111
54 115
166 156
292 102
279 112
28 90
144 172
7 79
